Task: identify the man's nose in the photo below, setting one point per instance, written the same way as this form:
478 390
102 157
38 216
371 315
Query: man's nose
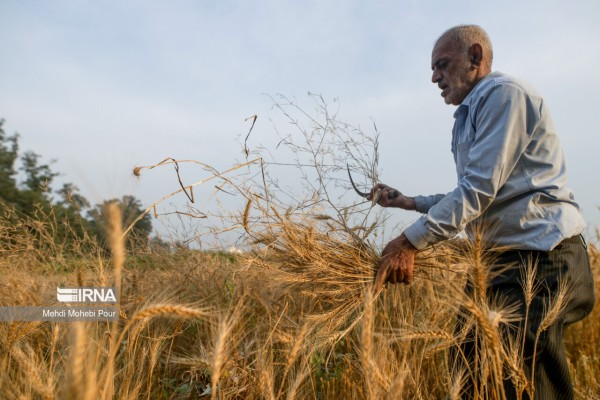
436 76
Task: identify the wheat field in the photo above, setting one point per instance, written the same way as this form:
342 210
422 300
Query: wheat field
294 318
291 315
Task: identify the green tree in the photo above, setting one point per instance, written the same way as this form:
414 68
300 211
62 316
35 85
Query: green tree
30 199
9 152
35 189
68 209
63 216
131 208
38 178
71 198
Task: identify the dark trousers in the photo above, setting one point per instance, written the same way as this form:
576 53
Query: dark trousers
569 263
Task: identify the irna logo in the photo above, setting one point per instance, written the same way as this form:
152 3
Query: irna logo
87 295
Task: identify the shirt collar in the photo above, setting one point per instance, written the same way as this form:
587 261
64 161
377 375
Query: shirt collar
466 101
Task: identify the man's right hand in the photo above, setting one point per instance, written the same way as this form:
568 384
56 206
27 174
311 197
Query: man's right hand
381 193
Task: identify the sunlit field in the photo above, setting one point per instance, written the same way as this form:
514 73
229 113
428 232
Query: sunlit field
288 314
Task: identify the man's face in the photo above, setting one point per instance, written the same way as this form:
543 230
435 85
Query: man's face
452 72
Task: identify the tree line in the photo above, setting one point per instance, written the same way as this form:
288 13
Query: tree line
27 191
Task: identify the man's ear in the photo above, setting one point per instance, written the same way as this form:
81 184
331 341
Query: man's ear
475 54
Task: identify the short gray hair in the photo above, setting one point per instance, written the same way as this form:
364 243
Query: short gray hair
464 36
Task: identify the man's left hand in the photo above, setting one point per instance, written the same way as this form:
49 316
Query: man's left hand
397 263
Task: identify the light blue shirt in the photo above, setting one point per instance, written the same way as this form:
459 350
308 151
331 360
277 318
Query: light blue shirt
511 174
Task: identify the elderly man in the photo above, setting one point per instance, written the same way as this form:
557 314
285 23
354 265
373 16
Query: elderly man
512 177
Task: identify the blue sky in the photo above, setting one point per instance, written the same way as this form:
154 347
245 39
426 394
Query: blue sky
102 86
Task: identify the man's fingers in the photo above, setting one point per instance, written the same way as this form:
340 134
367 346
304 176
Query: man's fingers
392 278
400 276
375 198
373 194
376 191
380 278
408 268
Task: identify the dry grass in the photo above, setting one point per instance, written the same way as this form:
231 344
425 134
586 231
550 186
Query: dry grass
292 317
